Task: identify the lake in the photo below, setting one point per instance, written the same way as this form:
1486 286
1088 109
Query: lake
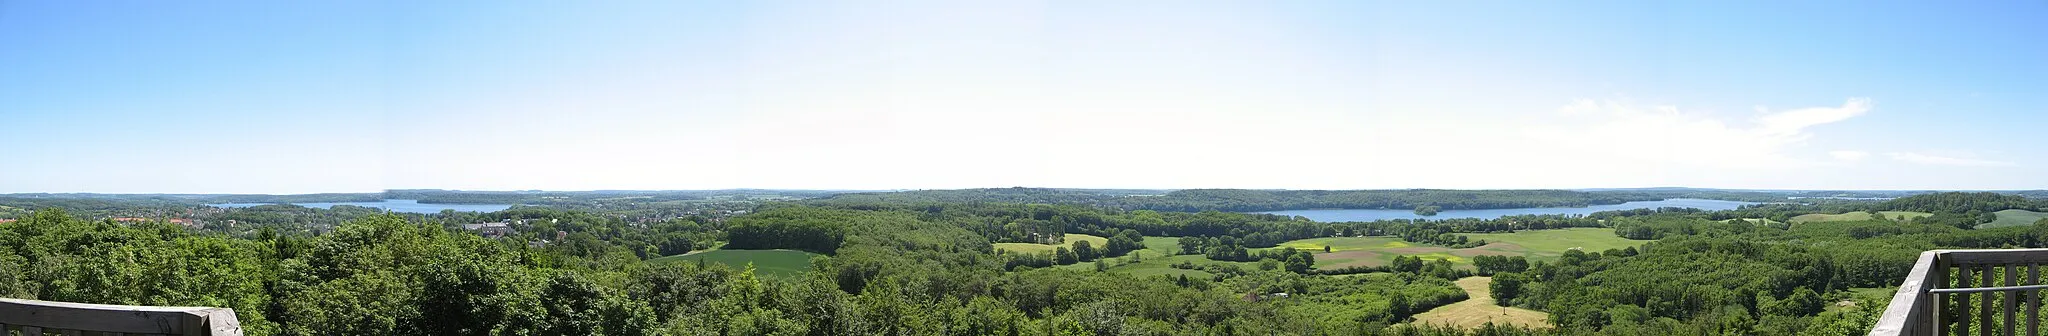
1367 215
397 205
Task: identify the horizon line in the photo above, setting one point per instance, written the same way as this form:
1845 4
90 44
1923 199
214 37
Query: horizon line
1764 190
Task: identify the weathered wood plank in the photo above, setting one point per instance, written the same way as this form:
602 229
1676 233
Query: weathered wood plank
1963 280
1986 289
2034 299
1986 316
1995 257
1907 312
1936 280
219 322
73 317
2011 299
31 331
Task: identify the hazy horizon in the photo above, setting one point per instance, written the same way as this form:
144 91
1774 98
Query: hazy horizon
1027 187
294 98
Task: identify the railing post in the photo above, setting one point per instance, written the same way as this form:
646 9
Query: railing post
1928 303
2011 300
1937 277
1909 311
1963 278
1984 312
2033 299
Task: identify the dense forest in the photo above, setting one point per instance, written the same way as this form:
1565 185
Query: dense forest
1736 277
1266 200
79 202
930 267
892 274
1242 200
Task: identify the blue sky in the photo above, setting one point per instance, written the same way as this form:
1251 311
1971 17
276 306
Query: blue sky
300 97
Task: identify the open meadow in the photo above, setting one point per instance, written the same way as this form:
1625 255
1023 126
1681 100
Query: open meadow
1857 216
767 263
1160 246
1479 309
2015 217
1859 298
2009 217
1546 244
1096 241
1158 265
1534 244
1759 221
1157 258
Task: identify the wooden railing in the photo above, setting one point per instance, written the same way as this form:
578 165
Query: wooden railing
1937 296
35 318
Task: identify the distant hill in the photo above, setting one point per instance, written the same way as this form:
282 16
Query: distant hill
991 195
1191 200
1964 202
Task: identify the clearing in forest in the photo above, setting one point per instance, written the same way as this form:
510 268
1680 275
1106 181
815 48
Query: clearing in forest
1863 297
1160 246
1548 244
1479 308
1857 216
2014 217
767 263
1163 265
1534 244
1157 258
1763 221
1097 242
1339 244
1153 264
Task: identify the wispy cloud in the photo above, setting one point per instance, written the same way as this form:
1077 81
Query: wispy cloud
1849 155
1790 123
1946 160
1668 134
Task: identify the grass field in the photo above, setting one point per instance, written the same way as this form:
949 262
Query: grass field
2015 217
1857 216
1150 265
1161 246
1359 251
1156 259
1535 244
1479 309
767 263
1765 221
1095 241
1341 244
1552 243
1862 297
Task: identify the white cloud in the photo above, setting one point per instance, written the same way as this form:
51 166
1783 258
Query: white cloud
1791 123
1946 160
1849 155
1672 136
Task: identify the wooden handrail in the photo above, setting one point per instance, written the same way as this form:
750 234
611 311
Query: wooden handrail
1922 305
1907 313
35 317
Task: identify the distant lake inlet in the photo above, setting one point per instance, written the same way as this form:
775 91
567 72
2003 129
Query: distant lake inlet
1367 215
396 205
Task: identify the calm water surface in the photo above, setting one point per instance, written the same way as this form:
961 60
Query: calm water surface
1367 215
412 206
